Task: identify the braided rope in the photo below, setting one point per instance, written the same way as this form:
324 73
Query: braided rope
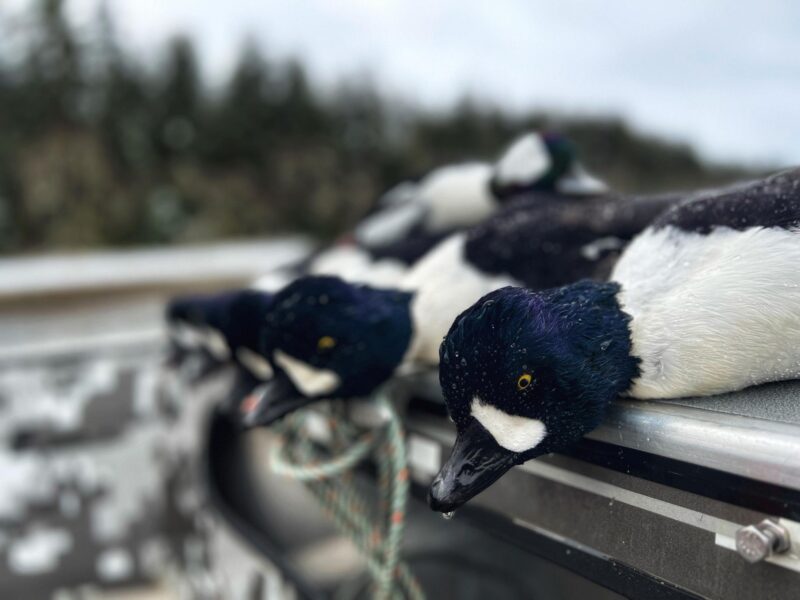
320 470
328 475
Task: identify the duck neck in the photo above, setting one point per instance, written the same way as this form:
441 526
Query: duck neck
596 333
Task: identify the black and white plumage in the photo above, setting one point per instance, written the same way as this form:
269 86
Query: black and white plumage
704 301
461 269
411 219
459 196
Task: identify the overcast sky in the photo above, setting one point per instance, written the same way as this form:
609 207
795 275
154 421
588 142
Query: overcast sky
722 75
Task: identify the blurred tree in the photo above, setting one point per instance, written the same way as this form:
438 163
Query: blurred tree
51 77
300 114
124 108
178 105
243 125
95 150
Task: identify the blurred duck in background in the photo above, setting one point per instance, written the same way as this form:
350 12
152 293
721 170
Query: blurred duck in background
459 196
328 338
411 219
704 301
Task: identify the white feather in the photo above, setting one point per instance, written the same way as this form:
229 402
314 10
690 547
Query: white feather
215 343
390 224
355 265
511 432
186 335
255 363
457 196
272 281
578 182
525 161
444 285
308 379
712 313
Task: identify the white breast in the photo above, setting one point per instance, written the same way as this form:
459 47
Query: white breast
712 313
272 281
457 196
445 284
355 265
390 224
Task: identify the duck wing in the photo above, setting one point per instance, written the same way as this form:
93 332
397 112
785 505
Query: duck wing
547 244
770 202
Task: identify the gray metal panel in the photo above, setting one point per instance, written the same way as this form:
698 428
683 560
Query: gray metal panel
720 435
773 401
754 448
674 535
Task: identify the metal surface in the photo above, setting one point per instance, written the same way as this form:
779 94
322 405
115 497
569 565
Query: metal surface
679 537
754 448
152 267
760 449
758 542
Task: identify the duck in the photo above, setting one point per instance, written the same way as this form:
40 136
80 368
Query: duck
705 300
218 330
329 338
412 218
458 196
452 196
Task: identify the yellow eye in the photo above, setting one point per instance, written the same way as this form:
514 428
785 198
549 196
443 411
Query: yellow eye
326 342
524 381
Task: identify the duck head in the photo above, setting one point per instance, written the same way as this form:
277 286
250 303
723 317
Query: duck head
524 374
542 162
196 324
220 327
330 339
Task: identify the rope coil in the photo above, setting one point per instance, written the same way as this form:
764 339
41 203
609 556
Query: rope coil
327 472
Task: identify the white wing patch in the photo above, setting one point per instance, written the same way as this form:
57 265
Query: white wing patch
512 432
309 380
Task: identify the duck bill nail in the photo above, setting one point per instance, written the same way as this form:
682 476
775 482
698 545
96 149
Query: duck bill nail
476 462
270 402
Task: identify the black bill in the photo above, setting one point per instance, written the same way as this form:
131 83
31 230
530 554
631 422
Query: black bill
476 462
271 401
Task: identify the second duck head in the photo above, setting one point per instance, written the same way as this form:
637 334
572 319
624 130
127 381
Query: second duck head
331 339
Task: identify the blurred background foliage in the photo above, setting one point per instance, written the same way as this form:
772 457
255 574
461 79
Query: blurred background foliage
97 149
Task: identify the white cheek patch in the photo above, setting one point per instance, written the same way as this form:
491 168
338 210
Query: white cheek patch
185 335
524 162
511 432
309 380
255 363
215 343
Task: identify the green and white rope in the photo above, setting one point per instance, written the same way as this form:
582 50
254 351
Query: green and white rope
328 475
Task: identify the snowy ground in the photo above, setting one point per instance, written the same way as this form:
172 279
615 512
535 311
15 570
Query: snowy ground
97 447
